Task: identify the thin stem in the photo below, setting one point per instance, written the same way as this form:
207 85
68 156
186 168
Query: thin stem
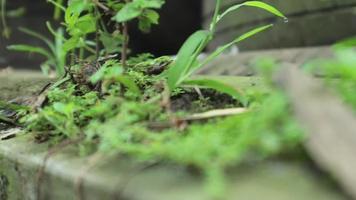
3 19
57 10
125 34
215 17
102 6
97 28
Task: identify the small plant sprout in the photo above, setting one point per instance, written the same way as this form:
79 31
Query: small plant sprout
187 62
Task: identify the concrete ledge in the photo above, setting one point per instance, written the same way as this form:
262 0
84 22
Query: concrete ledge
242 64
120 178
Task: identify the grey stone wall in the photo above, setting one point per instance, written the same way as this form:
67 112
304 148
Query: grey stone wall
311 23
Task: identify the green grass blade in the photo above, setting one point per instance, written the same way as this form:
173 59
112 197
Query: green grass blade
57 5
186 57
30 49
218 86
60 53
216 16
221 49
257 4
39 36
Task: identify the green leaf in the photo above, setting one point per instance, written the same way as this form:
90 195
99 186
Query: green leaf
146 20
152 16
221 49
135 9
39 36
112 42
129 83
218 86
70 44
257 4
30 49
82 25
128 12
111 69
185 58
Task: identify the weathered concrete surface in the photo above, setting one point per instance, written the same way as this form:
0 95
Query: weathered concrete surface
18 83
242 64
331 124
120 178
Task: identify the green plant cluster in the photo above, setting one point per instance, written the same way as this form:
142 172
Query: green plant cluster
129 105
113 123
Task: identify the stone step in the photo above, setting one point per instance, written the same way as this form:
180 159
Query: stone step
121 178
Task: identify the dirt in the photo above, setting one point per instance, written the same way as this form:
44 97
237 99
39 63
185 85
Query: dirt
192 101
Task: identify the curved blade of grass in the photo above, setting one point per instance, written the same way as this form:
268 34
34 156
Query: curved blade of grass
216 16
221 49
186 57
30 49
257 4
39 36
218 86
57 4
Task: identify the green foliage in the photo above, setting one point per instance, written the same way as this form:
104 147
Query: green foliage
141 9
82 21
112 72
116 123
55 54
340 71
126 107
187 61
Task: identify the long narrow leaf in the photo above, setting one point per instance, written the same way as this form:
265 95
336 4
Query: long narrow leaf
216 16
218 86
257 4
39 36
58 5
30 49
221 49
60 53
186 56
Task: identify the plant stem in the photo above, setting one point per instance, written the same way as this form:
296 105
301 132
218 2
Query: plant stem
216 15
100 5
5 31
57 10
97 45
125 34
